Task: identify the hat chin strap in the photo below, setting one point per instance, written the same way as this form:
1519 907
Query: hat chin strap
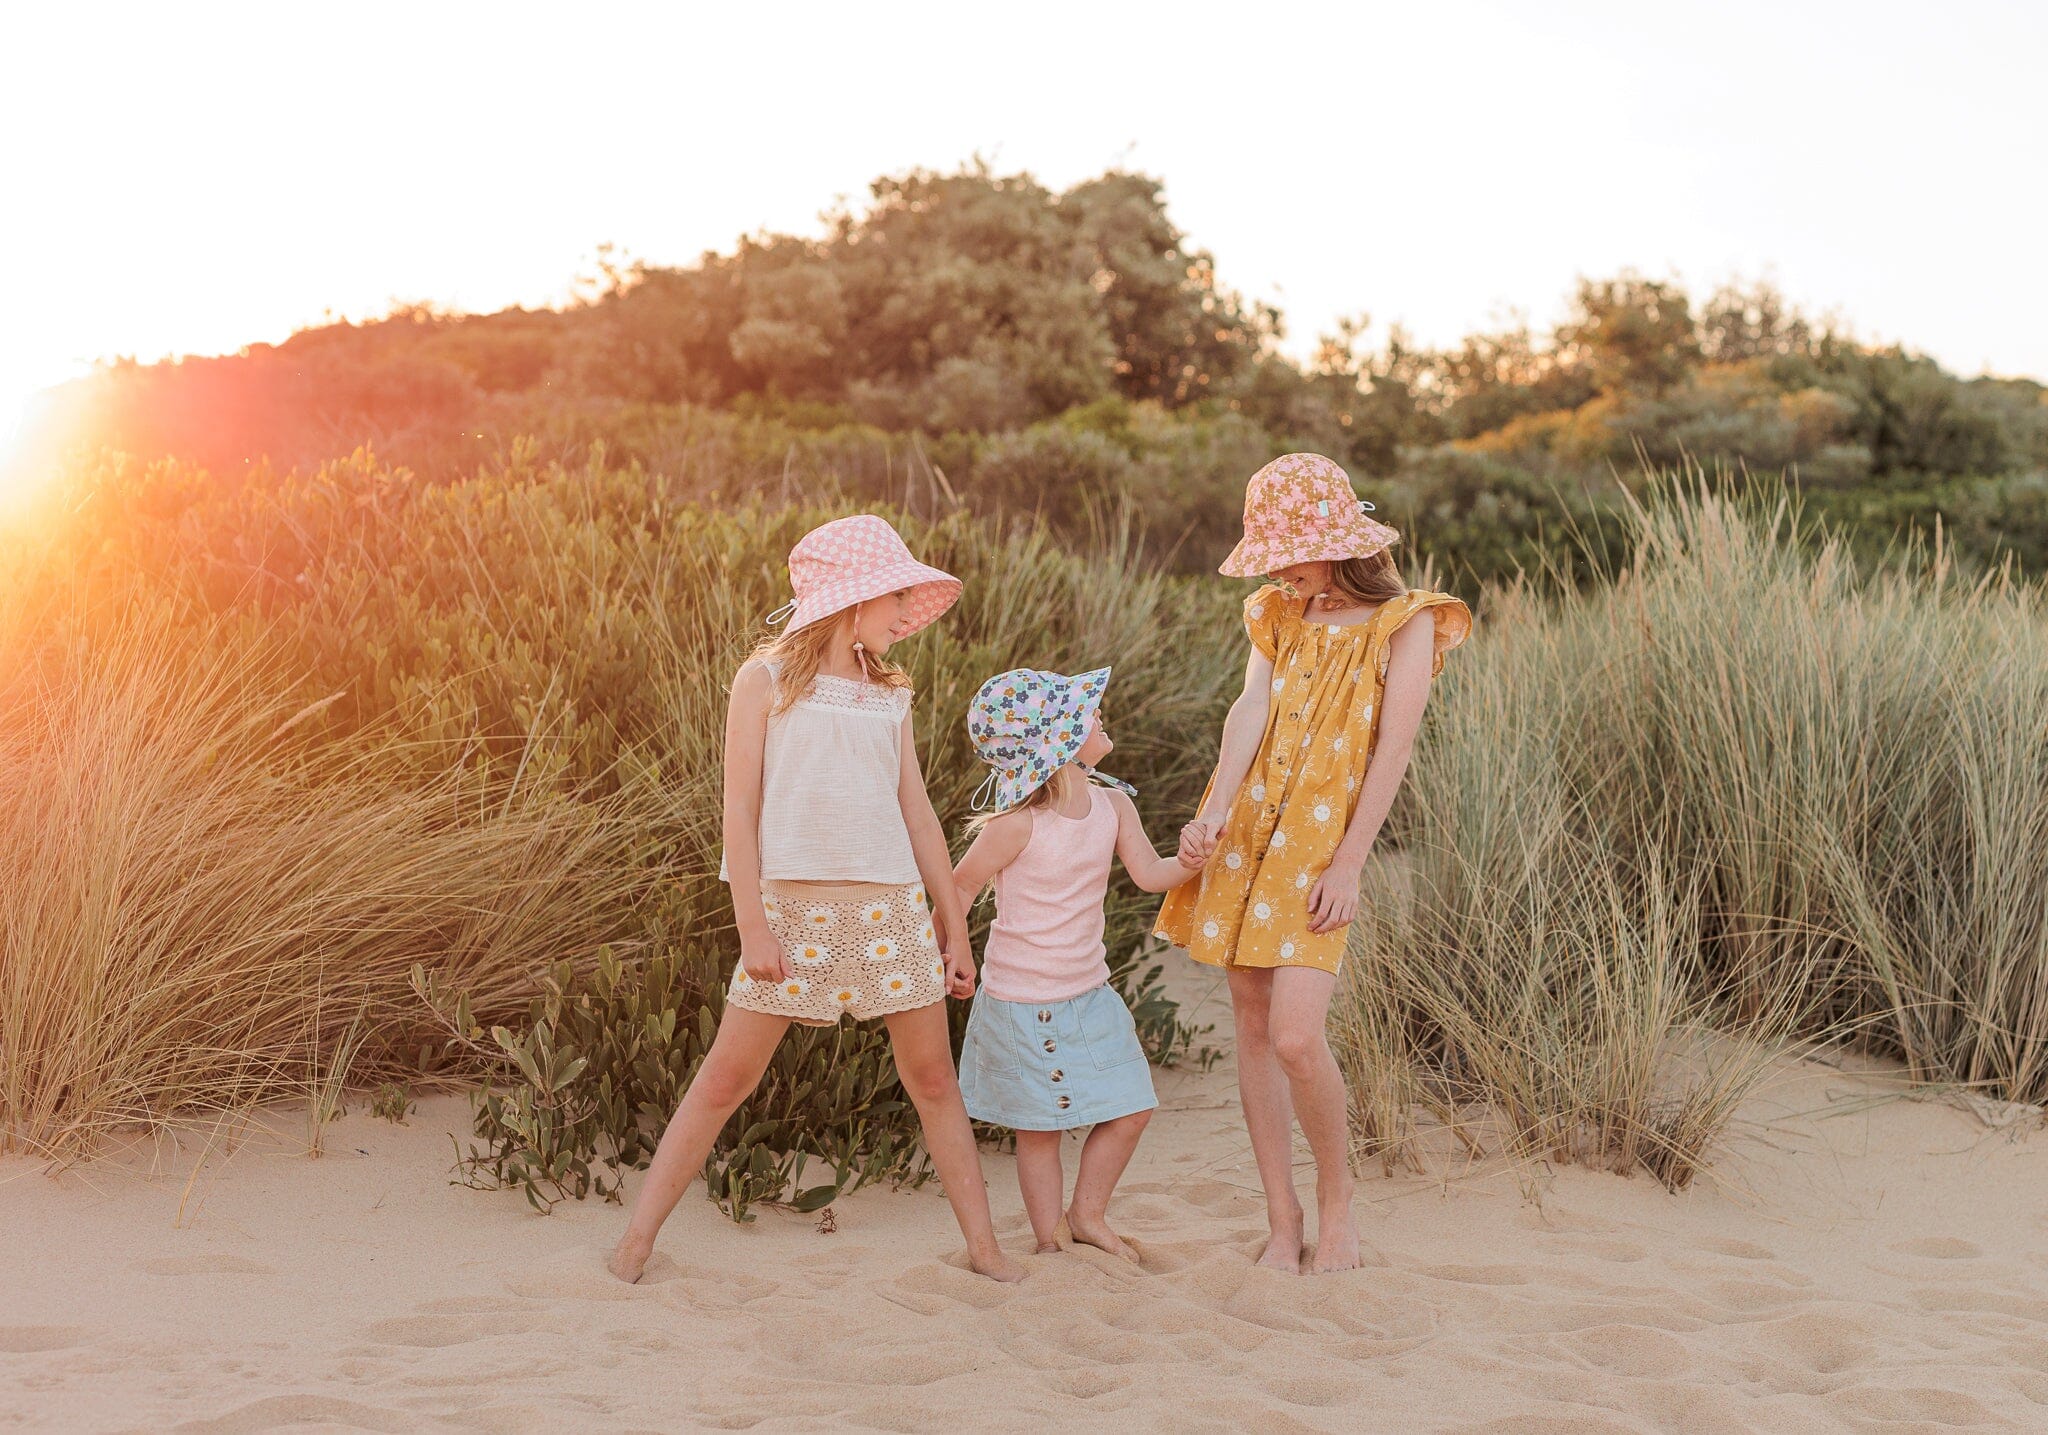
1105 780
860 649
984 795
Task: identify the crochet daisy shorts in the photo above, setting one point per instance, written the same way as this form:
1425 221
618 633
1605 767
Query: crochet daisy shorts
854 949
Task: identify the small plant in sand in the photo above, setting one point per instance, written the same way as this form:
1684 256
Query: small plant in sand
392 1102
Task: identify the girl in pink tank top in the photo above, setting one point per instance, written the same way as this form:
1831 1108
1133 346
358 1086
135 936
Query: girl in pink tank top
1050 1045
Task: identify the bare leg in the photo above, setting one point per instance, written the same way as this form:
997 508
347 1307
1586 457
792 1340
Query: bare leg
1268 1115
1103 1158
1300 1009
740 1052
1043 1182
924 1064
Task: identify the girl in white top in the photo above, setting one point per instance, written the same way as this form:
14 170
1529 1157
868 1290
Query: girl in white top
841 882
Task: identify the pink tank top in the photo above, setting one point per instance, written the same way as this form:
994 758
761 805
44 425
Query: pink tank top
1046 943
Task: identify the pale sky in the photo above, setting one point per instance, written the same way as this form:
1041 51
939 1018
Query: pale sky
189 178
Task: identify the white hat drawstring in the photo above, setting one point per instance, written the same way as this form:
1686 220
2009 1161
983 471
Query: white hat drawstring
860 649
1366 505
781 615
984 794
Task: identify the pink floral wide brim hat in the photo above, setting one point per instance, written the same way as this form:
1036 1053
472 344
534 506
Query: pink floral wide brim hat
1300 509
851 560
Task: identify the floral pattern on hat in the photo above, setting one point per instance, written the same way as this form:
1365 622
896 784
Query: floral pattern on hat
1300 509
1027 725
851 560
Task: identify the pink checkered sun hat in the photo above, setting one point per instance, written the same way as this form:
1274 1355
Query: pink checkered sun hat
851 560
1300 509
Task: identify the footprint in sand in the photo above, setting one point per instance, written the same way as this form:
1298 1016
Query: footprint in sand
1740 1250
1630 1350
305 1412
1918 1407
1478 1275
34 1339
433 1332
210 1265
1816 1341
1939 1248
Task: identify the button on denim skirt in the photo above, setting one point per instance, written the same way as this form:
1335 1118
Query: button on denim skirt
1048 1066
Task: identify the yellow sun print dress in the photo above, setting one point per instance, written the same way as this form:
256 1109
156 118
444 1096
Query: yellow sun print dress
1249 908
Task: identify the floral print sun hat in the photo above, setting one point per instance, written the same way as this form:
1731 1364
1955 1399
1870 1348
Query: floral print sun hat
851 560
1300 509
1027 725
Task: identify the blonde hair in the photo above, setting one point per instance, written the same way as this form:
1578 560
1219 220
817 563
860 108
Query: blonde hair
1053 793
798 655
1368 580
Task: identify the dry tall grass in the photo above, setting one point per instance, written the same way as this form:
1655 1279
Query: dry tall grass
198 915
1739 789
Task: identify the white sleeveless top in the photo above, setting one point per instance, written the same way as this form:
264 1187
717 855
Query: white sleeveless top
829 772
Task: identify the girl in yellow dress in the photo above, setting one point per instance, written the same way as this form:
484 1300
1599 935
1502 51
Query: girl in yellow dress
1313 751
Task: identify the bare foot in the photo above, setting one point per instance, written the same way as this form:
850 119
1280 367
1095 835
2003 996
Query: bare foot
628 1260
1090 1231
997 1266
1283 1251
1336 1232
1046 1248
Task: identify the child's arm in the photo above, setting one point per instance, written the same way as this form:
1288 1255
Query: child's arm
1243 729
746 736
995 847
935 865
1333 901
1148 869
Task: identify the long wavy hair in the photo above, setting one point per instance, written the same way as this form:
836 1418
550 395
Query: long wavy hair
1368 580
798 655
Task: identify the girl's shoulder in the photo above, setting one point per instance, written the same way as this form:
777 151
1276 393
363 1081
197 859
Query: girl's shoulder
1451 618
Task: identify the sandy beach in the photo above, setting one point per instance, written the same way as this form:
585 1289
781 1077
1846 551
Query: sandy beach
1859 1261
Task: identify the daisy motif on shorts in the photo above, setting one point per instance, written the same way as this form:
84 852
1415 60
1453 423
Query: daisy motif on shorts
917 896
939 971
794 987
896 983
772 908
740 977
817 916
881 950
811 954
875 913
931 935
845 997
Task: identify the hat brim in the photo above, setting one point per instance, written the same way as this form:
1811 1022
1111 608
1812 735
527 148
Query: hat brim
1076 707
928 593
1255 558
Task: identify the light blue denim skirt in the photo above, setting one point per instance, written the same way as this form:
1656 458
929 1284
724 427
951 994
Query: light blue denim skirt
1048 1066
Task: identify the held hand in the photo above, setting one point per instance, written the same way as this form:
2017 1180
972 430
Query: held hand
762 957
1198 841
1333 901
960 972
